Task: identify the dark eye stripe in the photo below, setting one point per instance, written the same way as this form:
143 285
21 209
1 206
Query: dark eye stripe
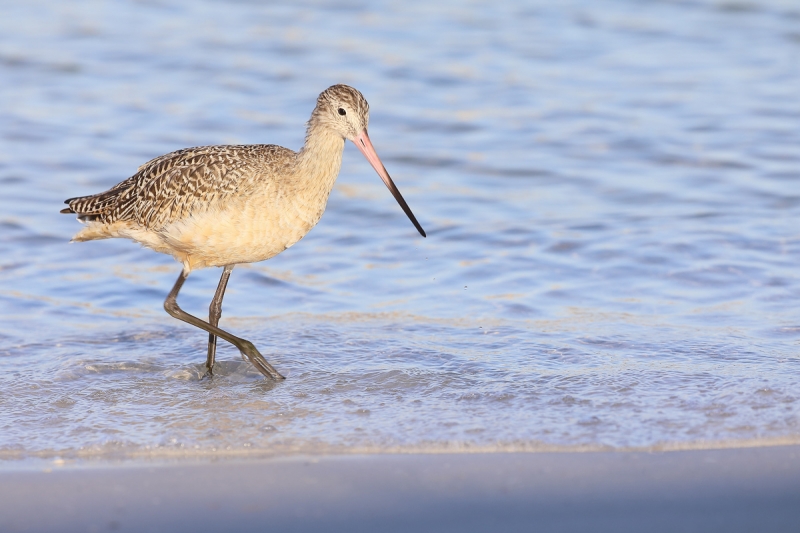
342 111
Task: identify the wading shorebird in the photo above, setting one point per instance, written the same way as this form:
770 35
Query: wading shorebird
219 206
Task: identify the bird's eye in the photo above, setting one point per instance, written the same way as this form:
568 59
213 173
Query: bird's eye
342 111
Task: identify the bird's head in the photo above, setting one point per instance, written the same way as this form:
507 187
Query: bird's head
345 111
342 109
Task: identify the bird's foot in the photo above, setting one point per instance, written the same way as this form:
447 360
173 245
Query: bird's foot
249 350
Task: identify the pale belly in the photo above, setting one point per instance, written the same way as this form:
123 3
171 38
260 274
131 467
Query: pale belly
219 238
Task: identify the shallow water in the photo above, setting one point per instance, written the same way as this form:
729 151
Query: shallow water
610 191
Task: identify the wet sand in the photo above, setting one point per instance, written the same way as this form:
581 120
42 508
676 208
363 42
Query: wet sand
751 489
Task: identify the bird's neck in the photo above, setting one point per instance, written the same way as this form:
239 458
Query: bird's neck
317 167
320 159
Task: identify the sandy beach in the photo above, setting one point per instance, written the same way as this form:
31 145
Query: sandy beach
751 489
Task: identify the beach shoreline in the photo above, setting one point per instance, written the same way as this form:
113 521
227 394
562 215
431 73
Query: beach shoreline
120 454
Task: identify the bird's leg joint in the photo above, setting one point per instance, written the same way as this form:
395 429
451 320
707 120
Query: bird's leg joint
171 307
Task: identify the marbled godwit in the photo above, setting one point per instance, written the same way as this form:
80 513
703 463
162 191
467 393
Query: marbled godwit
219 206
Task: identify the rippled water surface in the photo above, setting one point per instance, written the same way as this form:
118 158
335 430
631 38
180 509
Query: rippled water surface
611 192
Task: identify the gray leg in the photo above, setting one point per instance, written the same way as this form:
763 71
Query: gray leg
244 346
214 314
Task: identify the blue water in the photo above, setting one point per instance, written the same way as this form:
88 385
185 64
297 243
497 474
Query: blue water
611 192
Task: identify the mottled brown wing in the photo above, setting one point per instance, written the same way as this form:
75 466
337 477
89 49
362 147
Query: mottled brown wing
176 185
